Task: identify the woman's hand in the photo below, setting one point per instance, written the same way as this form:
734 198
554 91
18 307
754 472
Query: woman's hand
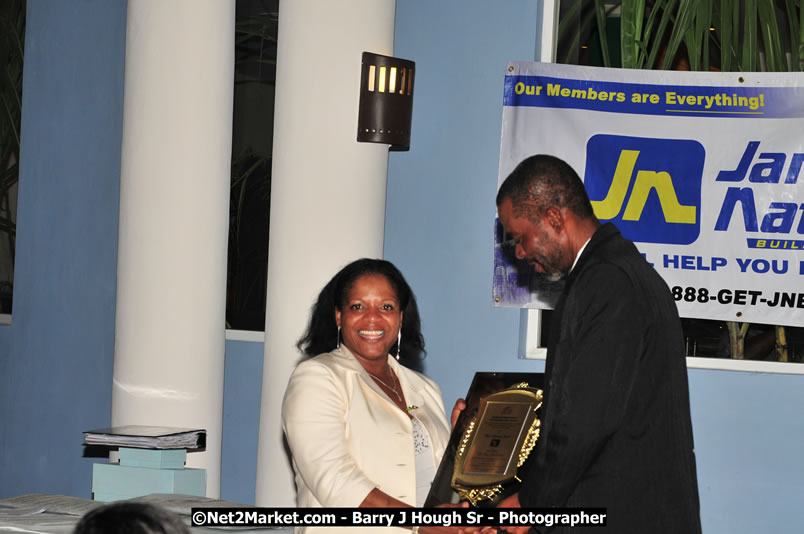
460 405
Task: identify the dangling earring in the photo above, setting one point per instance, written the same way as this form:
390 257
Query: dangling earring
399 344
338 341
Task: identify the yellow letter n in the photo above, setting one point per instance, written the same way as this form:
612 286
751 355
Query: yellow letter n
662 182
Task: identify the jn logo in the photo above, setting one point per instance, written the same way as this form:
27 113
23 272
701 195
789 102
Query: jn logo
650 188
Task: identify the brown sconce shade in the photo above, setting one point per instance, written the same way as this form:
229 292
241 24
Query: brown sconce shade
386 101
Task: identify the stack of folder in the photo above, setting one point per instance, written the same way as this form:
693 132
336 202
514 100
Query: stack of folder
149 462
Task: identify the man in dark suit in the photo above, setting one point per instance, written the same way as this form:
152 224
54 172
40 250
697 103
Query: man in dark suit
616 420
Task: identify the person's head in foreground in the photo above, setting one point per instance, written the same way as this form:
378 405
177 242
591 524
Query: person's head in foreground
131 517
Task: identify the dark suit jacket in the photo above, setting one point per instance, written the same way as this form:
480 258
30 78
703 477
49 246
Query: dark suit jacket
616 421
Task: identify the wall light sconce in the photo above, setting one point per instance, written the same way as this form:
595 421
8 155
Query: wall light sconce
386 101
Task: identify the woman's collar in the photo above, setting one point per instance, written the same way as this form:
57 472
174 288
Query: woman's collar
348 358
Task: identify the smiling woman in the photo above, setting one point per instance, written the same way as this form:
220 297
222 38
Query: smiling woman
334 302
370 321
363 428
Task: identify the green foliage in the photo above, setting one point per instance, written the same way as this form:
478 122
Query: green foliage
256 30
255 47
727 35
12 31
250 198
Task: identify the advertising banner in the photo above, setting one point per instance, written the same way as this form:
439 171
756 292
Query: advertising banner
700 170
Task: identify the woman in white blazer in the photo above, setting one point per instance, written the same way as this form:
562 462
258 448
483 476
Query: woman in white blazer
363 429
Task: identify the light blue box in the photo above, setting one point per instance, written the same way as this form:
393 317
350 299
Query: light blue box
157 459
129 481
109 497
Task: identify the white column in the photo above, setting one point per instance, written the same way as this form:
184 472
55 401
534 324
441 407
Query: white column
548 41
174 204
327 190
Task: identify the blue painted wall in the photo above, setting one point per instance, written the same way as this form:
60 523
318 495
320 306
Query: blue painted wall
57 354
242 385
749 431
749 427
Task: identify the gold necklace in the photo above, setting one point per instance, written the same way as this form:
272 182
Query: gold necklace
384 383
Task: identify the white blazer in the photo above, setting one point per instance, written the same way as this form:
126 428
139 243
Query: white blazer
347 437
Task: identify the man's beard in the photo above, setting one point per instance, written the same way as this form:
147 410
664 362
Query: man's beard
552 282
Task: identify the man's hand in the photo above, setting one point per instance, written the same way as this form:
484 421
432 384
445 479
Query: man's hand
460 405
462 504
516 530
513 502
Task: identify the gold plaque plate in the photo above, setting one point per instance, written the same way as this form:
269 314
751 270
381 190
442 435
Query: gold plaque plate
496 442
